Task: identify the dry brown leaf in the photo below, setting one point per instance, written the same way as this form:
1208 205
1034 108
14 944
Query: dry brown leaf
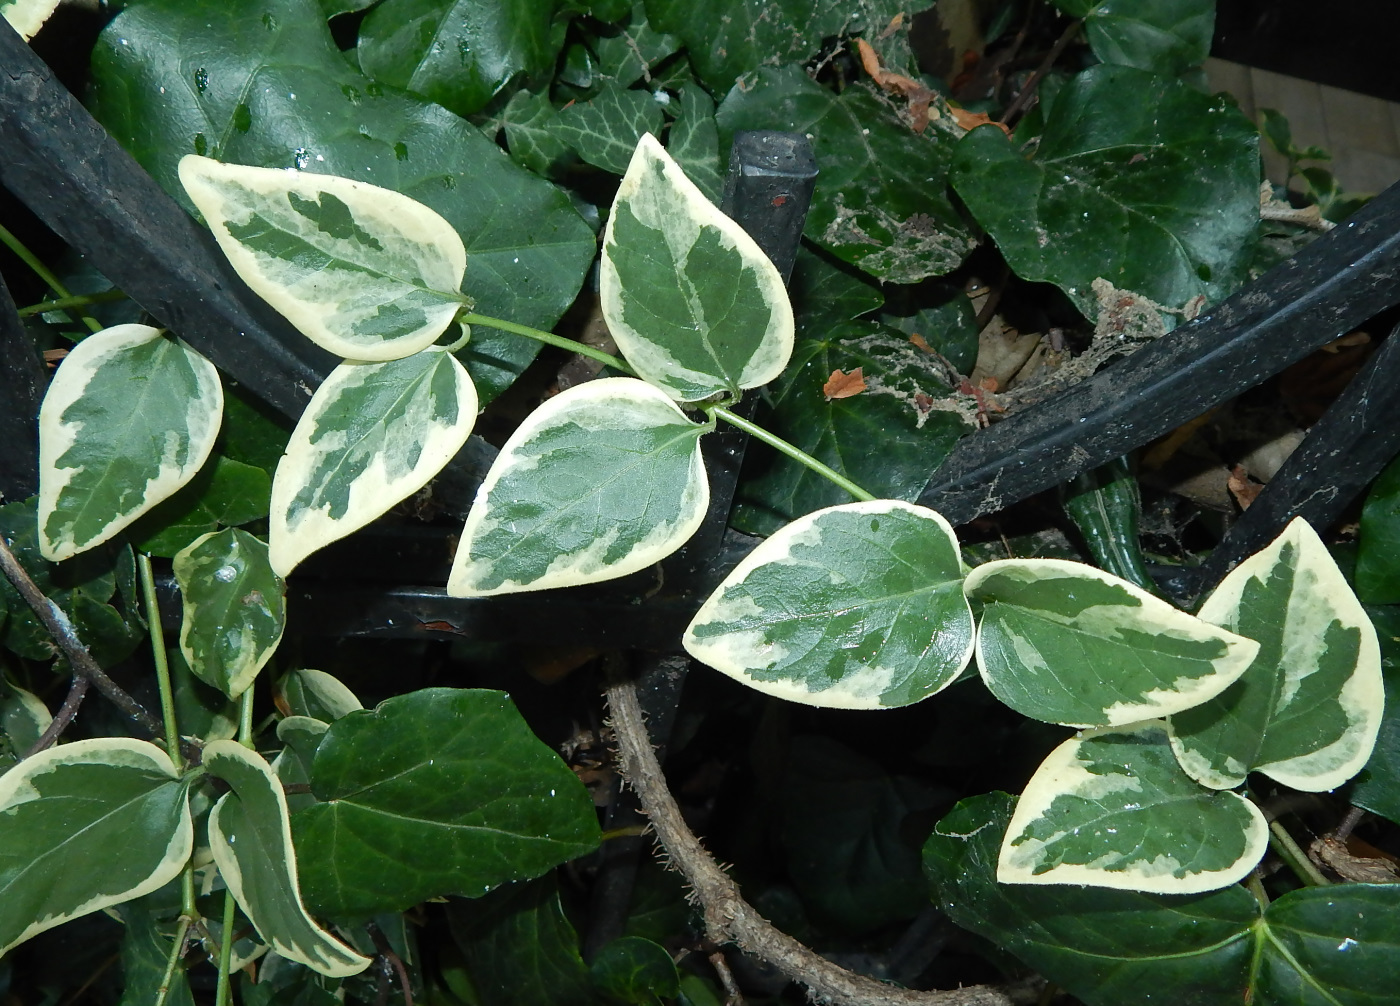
971 120
918 96
920 343
842 385
895 23
1335 853
1242 488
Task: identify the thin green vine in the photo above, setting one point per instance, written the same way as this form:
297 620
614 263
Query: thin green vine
548 338
167 693
42 271
76 300
1291 853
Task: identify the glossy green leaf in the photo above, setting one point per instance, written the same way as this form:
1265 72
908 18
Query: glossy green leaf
629 54
103 464
1137 179
82 586
846 827
200 710
145 953
853 607
886 439
234 609
694 304
459 53
1164 36
694 143
635 971
1066 643
881 199
301 735
441 791
606 129
27 16
251 838
316 694
23 720
826 292
1318 945
519 948
729 38
1112 808
172 77
1378 552
373 434
88 824
560 505
532 133
360 270
1308 709
1377 787
941 315
224 493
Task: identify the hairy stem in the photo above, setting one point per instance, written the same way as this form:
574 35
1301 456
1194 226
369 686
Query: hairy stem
728 917
42 271
76 691
778 443
167 694
63 633
549 339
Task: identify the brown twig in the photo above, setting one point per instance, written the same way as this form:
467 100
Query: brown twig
63 633
1022 101
65 715
386 953
728 917
1348 824
732 994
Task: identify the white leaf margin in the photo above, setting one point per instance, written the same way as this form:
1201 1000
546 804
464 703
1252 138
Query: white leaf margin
326 955
372 492
1239 654
649 359
573 569
1063 774
27 16
204 416
727 653
17 788
391 213
1324 589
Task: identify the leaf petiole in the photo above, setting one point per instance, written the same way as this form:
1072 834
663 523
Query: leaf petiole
548 338
42 271
167 694
779 444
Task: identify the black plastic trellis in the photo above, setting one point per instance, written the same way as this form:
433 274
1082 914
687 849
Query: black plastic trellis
61 163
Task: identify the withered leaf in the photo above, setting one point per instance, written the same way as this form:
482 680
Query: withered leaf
843 385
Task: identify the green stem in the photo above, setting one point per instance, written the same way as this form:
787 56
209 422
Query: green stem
187 905
223 993
1255 884
245 718
549 339
167 694
779 444
1292 854
173 962
42 271
76 300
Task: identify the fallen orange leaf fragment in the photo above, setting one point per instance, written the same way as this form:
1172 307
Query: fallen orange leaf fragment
971 120
920 343
842 385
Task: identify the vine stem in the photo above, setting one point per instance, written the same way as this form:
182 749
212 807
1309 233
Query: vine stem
728 917
1291 853
76 692
224 991
549 339
173 961
74 300
42 271
1022 100
63 633
158 654
800 456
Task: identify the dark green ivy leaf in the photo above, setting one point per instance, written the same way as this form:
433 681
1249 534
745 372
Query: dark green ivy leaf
1137 180
1378 554
225 493
1377 787
440 791
605 129
1163 36
635 971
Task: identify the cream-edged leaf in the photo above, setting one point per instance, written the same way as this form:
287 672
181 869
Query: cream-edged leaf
364 272
251 839
373 434
87 824
129 418
1309 708
852 607
694 304
1112 808
602 480
1067 643
234 611
322 696
27 16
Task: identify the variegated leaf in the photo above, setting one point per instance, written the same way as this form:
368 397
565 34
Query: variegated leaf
322 696
234 612
373 434
694 304
602 480
129 418
27 16
852 607
87 824
251 839
1308 709
1112 808
1067 643
364 272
